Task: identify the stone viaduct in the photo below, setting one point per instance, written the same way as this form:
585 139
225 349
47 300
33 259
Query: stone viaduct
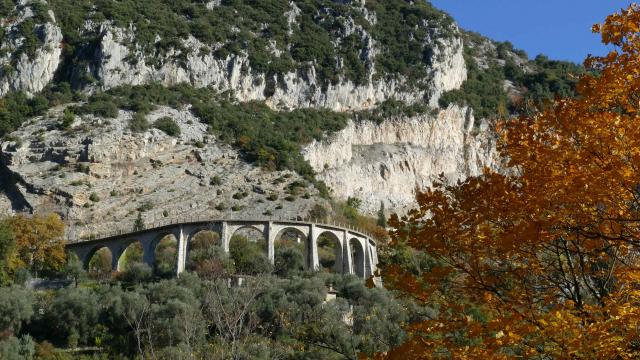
355 252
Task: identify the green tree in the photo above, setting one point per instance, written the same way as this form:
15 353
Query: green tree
289 260
74 314
382 217
7 250
74 268
12 348
249 257
68 117
16 308
138 224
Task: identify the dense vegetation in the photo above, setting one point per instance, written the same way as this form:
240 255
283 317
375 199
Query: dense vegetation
263 319
333 36
278 311
537 82
17 107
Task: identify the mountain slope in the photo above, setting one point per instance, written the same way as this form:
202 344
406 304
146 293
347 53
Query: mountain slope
239 107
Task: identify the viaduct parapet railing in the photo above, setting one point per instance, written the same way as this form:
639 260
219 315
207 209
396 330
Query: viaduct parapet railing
355 251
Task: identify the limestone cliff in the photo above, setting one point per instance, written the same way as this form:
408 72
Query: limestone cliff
47 168
24 67
389 161
118 59
99 175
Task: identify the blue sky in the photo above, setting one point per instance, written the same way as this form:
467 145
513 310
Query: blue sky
560 29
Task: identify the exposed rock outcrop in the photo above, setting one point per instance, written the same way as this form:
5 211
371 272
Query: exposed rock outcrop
389 161
117 64
28 70
99 174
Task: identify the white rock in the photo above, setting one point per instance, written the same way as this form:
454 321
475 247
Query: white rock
389 162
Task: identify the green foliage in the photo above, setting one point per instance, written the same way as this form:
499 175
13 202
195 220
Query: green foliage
138 224
94 197
255 26
138 122
289 259
166 257
191 317
67 119
74 313
350 210
168 126
392 108
484 89
99 104
7 250
83 168
207 258
16 107
215 181
382 217
16 308
404 29
145 206
6 7
249 257
12 348
552 79
272 139
269 138
74 269
137 273
319 212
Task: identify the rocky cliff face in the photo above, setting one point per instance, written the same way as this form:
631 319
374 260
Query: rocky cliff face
23 68
99 175
119 60
113 67
392 160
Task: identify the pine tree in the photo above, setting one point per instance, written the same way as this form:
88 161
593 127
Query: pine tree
139 223
382 218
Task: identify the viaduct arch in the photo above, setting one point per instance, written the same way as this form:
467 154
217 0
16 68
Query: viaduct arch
356 251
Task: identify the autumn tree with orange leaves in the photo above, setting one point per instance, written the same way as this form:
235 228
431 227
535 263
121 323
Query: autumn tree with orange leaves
39 242
541 260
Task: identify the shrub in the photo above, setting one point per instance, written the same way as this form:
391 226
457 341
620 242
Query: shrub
168 126
215 180
146 206
94 197
240 195
83 168
99 105
138 122
67 119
